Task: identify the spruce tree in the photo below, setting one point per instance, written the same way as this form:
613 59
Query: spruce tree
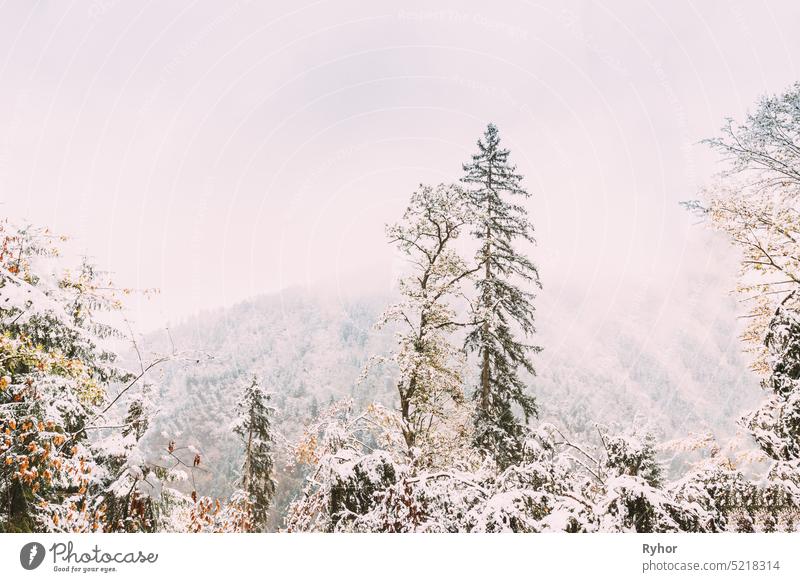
253 425
776 424
504 308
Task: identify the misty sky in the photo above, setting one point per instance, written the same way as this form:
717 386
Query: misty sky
220 150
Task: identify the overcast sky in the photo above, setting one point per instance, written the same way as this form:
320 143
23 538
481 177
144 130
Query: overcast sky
220 150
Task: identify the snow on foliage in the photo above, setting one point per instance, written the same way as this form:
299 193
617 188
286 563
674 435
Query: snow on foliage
72 418
418 444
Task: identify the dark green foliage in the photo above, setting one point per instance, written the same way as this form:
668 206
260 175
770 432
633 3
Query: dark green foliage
254 427
503 309
354 493
634 456
776 425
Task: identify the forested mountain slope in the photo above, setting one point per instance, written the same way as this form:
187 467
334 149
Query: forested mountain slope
676 368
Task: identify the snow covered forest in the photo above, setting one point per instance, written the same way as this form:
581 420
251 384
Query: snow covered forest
432 409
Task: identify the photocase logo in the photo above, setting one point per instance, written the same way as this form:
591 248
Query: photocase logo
31 555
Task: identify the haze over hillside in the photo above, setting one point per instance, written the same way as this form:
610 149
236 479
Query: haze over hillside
672 358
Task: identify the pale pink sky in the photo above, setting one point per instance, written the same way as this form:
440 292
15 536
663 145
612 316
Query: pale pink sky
220 150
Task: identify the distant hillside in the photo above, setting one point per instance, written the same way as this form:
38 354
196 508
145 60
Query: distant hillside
676 367
307 351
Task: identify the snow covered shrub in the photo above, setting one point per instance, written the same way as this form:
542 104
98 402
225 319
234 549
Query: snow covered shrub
776 424
541 493
362 484
632 504
633 455
347 473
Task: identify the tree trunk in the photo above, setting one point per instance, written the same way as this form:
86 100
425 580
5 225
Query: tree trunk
487 254
485 365
247 457
405 413
18 518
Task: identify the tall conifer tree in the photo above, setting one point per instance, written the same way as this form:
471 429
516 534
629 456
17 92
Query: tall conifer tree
504 308
253 425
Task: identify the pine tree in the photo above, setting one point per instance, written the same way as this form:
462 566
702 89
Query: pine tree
776 425
253 426
504 304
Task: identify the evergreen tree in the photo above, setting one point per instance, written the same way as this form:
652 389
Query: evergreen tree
504 304
776 425
253 426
